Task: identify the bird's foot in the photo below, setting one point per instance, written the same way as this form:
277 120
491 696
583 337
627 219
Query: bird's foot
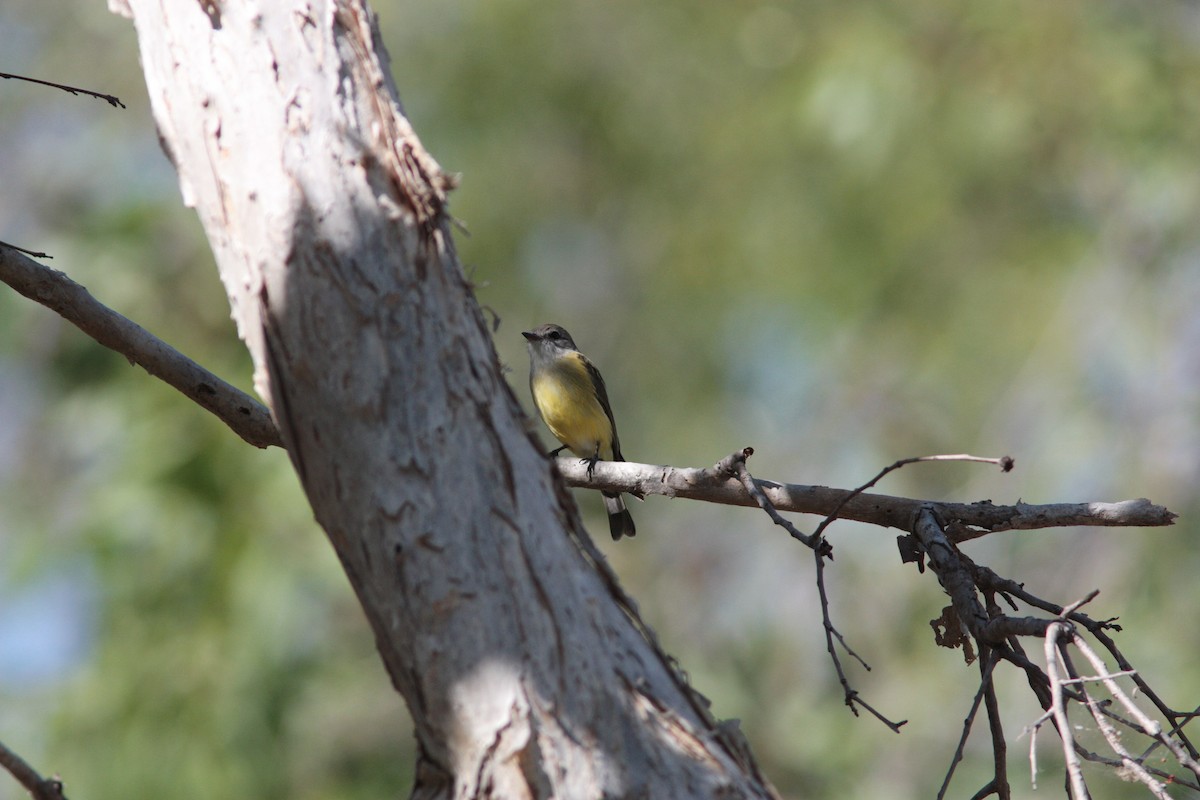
591 464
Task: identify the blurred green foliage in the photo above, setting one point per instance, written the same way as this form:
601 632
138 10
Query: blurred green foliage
841 233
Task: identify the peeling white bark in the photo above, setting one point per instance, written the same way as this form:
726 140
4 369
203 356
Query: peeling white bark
525 675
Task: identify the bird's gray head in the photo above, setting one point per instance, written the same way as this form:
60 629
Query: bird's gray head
549 338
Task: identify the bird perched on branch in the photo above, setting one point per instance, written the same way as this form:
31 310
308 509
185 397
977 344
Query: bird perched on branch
571 399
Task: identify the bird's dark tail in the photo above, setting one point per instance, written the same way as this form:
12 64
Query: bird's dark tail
620 522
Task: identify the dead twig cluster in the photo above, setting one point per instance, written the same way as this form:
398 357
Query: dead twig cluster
975 622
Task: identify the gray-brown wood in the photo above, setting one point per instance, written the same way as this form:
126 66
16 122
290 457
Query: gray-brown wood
525 674
244 415
970 520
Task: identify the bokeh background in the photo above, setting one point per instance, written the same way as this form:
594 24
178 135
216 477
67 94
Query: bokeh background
841 233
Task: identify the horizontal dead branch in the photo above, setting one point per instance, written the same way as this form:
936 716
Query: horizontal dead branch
964 520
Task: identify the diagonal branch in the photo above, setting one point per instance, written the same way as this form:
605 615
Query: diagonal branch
108 98
735 465
39 788
246 416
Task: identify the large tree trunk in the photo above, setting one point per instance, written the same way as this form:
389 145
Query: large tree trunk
525 673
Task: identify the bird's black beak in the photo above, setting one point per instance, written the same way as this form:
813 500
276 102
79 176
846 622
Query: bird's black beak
530 335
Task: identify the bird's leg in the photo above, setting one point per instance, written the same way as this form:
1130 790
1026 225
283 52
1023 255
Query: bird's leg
591 462
557 450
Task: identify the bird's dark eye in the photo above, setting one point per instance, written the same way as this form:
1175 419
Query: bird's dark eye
555 335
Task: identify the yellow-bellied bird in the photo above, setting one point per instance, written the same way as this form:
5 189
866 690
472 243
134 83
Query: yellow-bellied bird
570 396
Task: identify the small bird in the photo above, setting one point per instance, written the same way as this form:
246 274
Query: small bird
570 396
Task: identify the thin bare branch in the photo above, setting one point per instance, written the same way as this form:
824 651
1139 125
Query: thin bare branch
30 253
1000 783
987 790
1145 688
986 666
1070 609
1131 764
1128 764
851 695
1005 464
1118 764
1148 726
108 98
1032 730
246 416
1057 630
39 788
736 464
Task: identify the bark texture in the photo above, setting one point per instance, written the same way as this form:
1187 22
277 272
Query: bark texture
526 673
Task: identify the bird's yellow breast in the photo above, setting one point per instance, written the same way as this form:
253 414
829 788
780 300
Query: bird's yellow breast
566 399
